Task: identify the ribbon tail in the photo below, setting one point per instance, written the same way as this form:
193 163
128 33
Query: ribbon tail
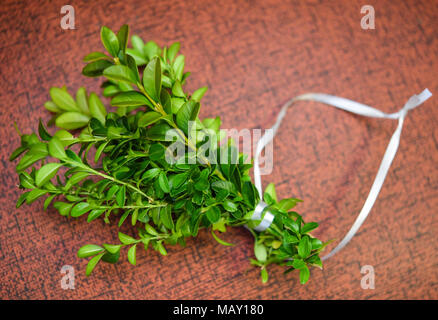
356 108
375 189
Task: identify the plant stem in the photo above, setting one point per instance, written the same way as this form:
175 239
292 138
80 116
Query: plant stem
97 173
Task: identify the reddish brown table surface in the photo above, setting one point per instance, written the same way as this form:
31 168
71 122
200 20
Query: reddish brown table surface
253 55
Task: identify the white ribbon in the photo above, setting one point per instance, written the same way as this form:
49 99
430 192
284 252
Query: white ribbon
353 107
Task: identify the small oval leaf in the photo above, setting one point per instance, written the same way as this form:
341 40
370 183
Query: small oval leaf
46 172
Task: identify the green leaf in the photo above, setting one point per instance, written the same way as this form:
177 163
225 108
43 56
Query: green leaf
99 151
130 99
89 250
152 79
223 185
96 68
17 152
130 62
94 214
178 180
134 217
110 41
286 204
132 255
79 209
151 173
260 251
31 157
315 261
309 227
298 263
151 49
149 229
56 148
52 107
178 67
229 206
316 243
213 214
248 193
73 156
137 55
287 238
65 137
63 99
120 73
121 196
63 208
48 201
34 195
293 225
276 244
176 104
123 218
166 217
173 51
97 109
112 248
149 118
222 242
163 182
270 191
125 239
304 247
212 123
21 199
94 56
111 258
46 172
161 249
304 274
202 185
26 181
82 101
188 112
74 179
92 264
159 132
123 36
198 94
72 120
42 131
166 102
137 43
110 91
166 82
178 91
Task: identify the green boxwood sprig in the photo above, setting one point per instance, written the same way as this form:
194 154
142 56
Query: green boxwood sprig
129 180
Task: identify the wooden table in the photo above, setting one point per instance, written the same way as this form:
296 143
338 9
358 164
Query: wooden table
253 55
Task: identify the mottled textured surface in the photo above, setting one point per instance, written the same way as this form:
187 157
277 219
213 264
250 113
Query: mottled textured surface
253 55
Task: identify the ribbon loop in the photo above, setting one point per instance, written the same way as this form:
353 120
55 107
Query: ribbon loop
267 218
356 108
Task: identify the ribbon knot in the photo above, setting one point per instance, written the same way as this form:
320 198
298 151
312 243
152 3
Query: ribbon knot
261 211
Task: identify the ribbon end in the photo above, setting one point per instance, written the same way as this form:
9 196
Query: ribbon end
417 99
426 94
